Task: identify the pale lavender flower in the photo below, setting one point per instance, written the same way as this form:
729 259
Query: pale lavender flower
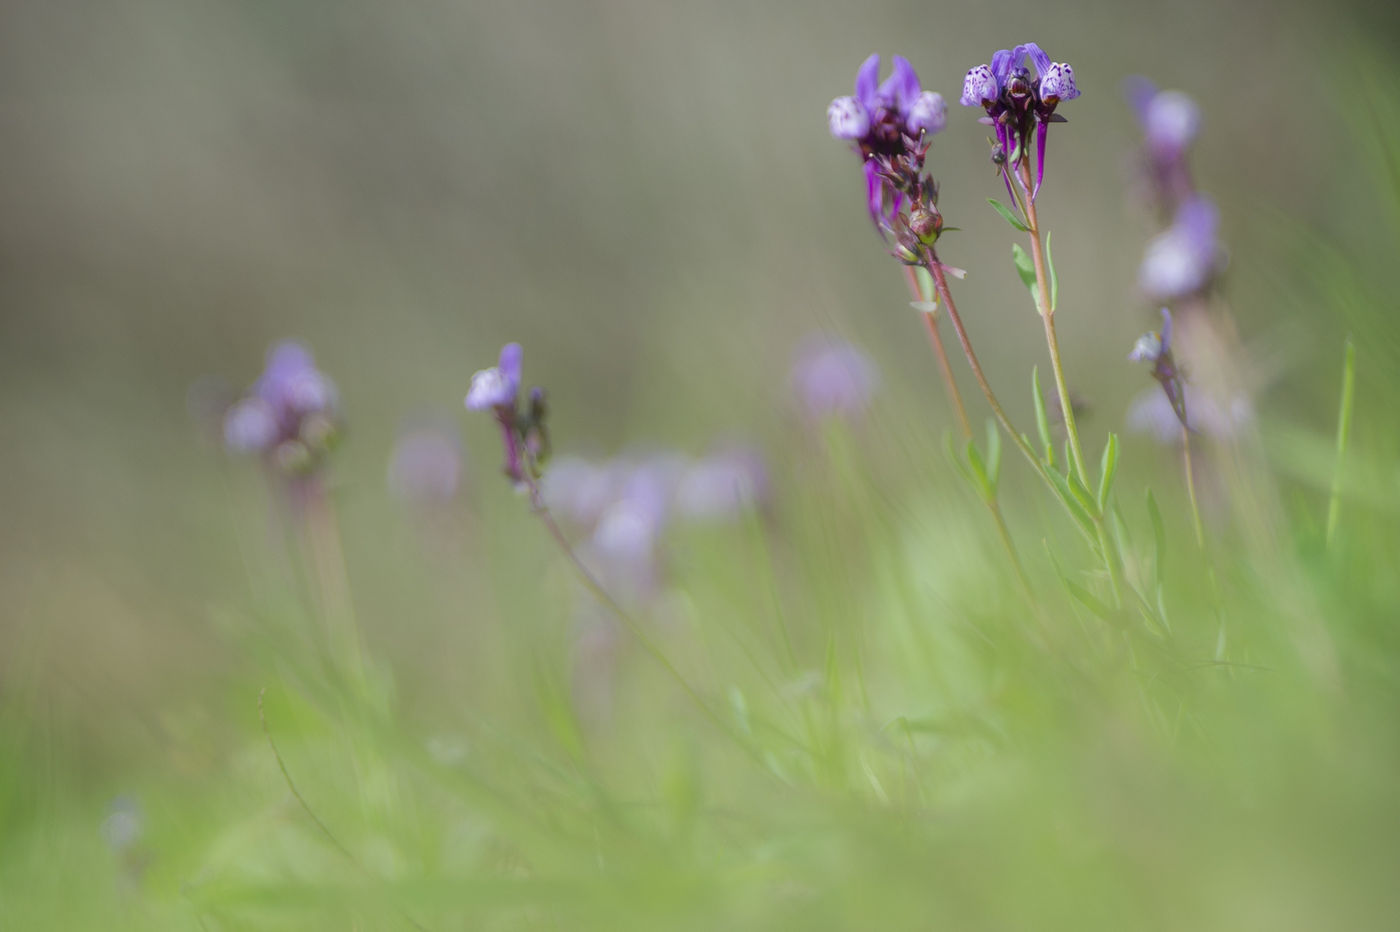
425 467
832 378
1020 89
1182 260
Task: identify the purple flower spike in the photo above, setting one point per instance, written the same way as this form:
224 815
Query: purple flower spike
1020 89
886 121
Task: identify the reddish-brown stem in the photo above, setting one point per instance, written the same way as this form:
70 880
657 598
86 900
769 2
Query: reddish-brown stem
936 340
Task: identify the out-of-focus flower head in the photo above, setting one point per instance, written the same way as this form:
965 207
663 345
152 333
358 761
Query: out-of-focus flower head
833 378
425 467
1184 259
722 485
523 431
290 416
1156 348
886 121
1151 412
1170 121
1019 89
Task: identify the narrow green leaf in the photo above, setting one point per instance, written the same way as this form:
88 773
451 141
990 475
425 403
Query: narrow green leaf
1079 593
1108 466
1334 504
1054 279
993 456
1007 215
1042 420
1026 269
959 462
1081 492
979 471
1073 506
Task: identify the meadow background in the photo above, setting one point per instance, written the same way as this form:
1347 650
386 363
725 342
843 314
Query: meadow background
646 197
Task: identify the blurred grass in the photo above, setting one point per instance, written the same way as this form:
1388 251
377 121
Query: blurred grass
644 195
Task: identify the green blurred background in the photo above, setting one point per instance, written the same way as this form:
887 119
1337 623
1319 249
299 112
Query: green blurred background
643 194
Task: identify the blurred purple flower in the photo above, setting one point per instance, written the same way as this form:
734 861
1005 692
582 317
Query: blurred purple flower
498 386
723 485
885 120
290 415
833 378
1170 121
523 433
1182 260
425 467
1156 348
1152 413
1020 89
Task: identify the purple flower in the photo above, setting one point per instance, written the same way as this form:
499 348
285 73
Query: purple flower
523 433
425 467
885 120
1170 121
833 378
1020 89
1182 260
498 386
290 414
1156 348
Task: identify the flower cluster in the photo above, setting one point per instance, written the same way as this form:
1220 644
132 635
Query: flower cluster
887 122
1019 99
523 431
290 417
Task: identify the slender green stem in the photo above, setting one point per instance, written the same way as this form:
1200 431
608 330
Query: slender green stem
1334 505
1047 314
1191 488
940 281
993 506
